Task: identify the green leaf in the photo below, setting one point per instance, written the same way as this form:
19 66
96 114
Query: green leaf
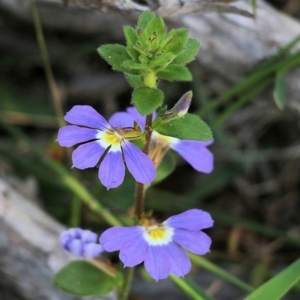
147 99
162 60
134 54
187 55
189 127
130 35
156 28
143 38
134 80
279 91
131 65
144 19
175 41
191 289
175 72
165 168
83 279
115 55
279 285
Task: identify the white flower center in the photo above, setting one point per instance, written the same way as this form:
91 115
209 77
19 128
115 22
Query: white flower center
158 235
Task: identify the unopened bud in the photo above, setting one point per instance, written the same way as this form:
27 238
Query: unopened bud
180 108
150 78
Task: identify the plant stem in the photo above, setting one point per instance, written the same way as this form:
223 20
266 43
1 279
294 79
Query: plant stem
47 64
139 209
76 203
148 133
140 187
128 275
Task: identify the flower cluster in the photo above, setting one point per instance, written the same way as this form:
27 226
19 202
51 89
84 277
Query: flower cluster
81 242
110 141
158 245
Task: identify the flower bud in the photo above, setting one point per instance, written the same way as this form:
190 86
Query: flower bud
150 78
180 108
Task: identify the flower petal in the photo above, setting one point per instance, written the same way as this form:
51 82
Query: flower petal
86 115
192 219
75 247
134 253
92 250
194 241
181 263
121 120
112 169
88 236
138 163
71 135
196 154
141 120
157 262
69 234
87 155
116 238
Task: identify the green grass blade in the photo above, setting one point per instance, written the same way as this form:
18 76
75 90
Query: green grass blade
254 6
236 105
191 289
279 285
212 268
252 81
279 91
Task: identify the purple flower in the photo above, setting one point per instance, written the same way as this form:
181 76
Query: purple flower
108 141
81 242
160 245
194 152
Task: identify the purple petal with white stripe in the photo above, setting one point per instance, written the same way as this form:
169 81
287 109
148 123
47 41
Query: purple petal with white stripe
157 262
91 250
138 163
192 219
181 263
86 115
121 120
117 238
71 135
112 169
134 253
196 154
87 155
194 241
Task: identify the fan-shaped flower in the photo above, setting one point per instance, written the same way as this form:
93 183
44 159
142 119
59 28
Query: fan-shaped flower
194 152
109 141
82 243
159 246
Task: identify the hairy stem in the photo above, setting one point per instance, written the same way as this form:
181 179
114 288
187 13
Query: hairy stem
140 187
